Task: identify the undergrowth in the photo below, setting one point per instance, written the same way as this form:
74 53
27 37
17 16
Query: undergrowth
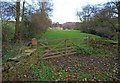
98 47
11 50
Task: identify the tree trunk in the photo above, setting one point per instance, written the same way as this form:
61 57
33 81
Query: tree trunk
17 25
119 28
22 20
118 75
23 8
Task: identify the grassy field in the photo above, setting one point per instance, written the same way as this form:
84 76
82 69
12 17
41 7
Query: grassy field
60 34
83 46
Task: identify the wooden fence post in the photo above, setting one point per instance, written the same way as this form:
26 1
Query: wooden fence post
34 43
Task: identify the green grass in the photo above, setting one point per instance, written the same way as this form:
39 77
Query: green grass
60 34
82 46
45 72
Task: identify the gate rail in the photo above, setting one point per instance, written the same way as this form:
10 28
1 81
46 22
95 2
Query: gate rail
49 49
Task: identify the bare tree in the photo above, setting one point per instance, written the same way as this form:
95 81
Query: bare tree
100 19
86 13
36 19
7 12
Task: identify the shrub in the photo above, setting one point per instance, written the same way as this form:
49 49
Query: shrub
35 24
7 31
26 32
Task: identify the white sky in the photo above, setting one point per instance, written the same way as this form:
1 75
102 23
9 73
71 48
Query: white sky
65 10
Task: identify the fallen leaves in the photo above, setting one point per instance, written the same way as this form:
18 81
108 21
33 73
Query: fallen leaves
78 65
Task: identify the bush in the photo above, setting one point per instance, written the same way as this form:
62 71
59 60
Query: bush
35 24
27 32
7 31
97 28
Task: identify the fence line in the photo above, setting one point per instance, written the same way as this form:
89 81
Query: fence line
62 48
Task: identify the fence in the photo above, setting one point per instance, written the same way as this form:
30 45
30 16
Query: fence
58 47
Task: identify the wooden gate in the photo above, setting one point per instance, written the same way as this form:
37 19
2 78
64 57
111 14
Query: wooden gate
58 47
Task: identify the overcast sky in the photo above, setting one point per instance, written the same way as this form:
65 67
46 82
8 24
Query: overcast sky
65 10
